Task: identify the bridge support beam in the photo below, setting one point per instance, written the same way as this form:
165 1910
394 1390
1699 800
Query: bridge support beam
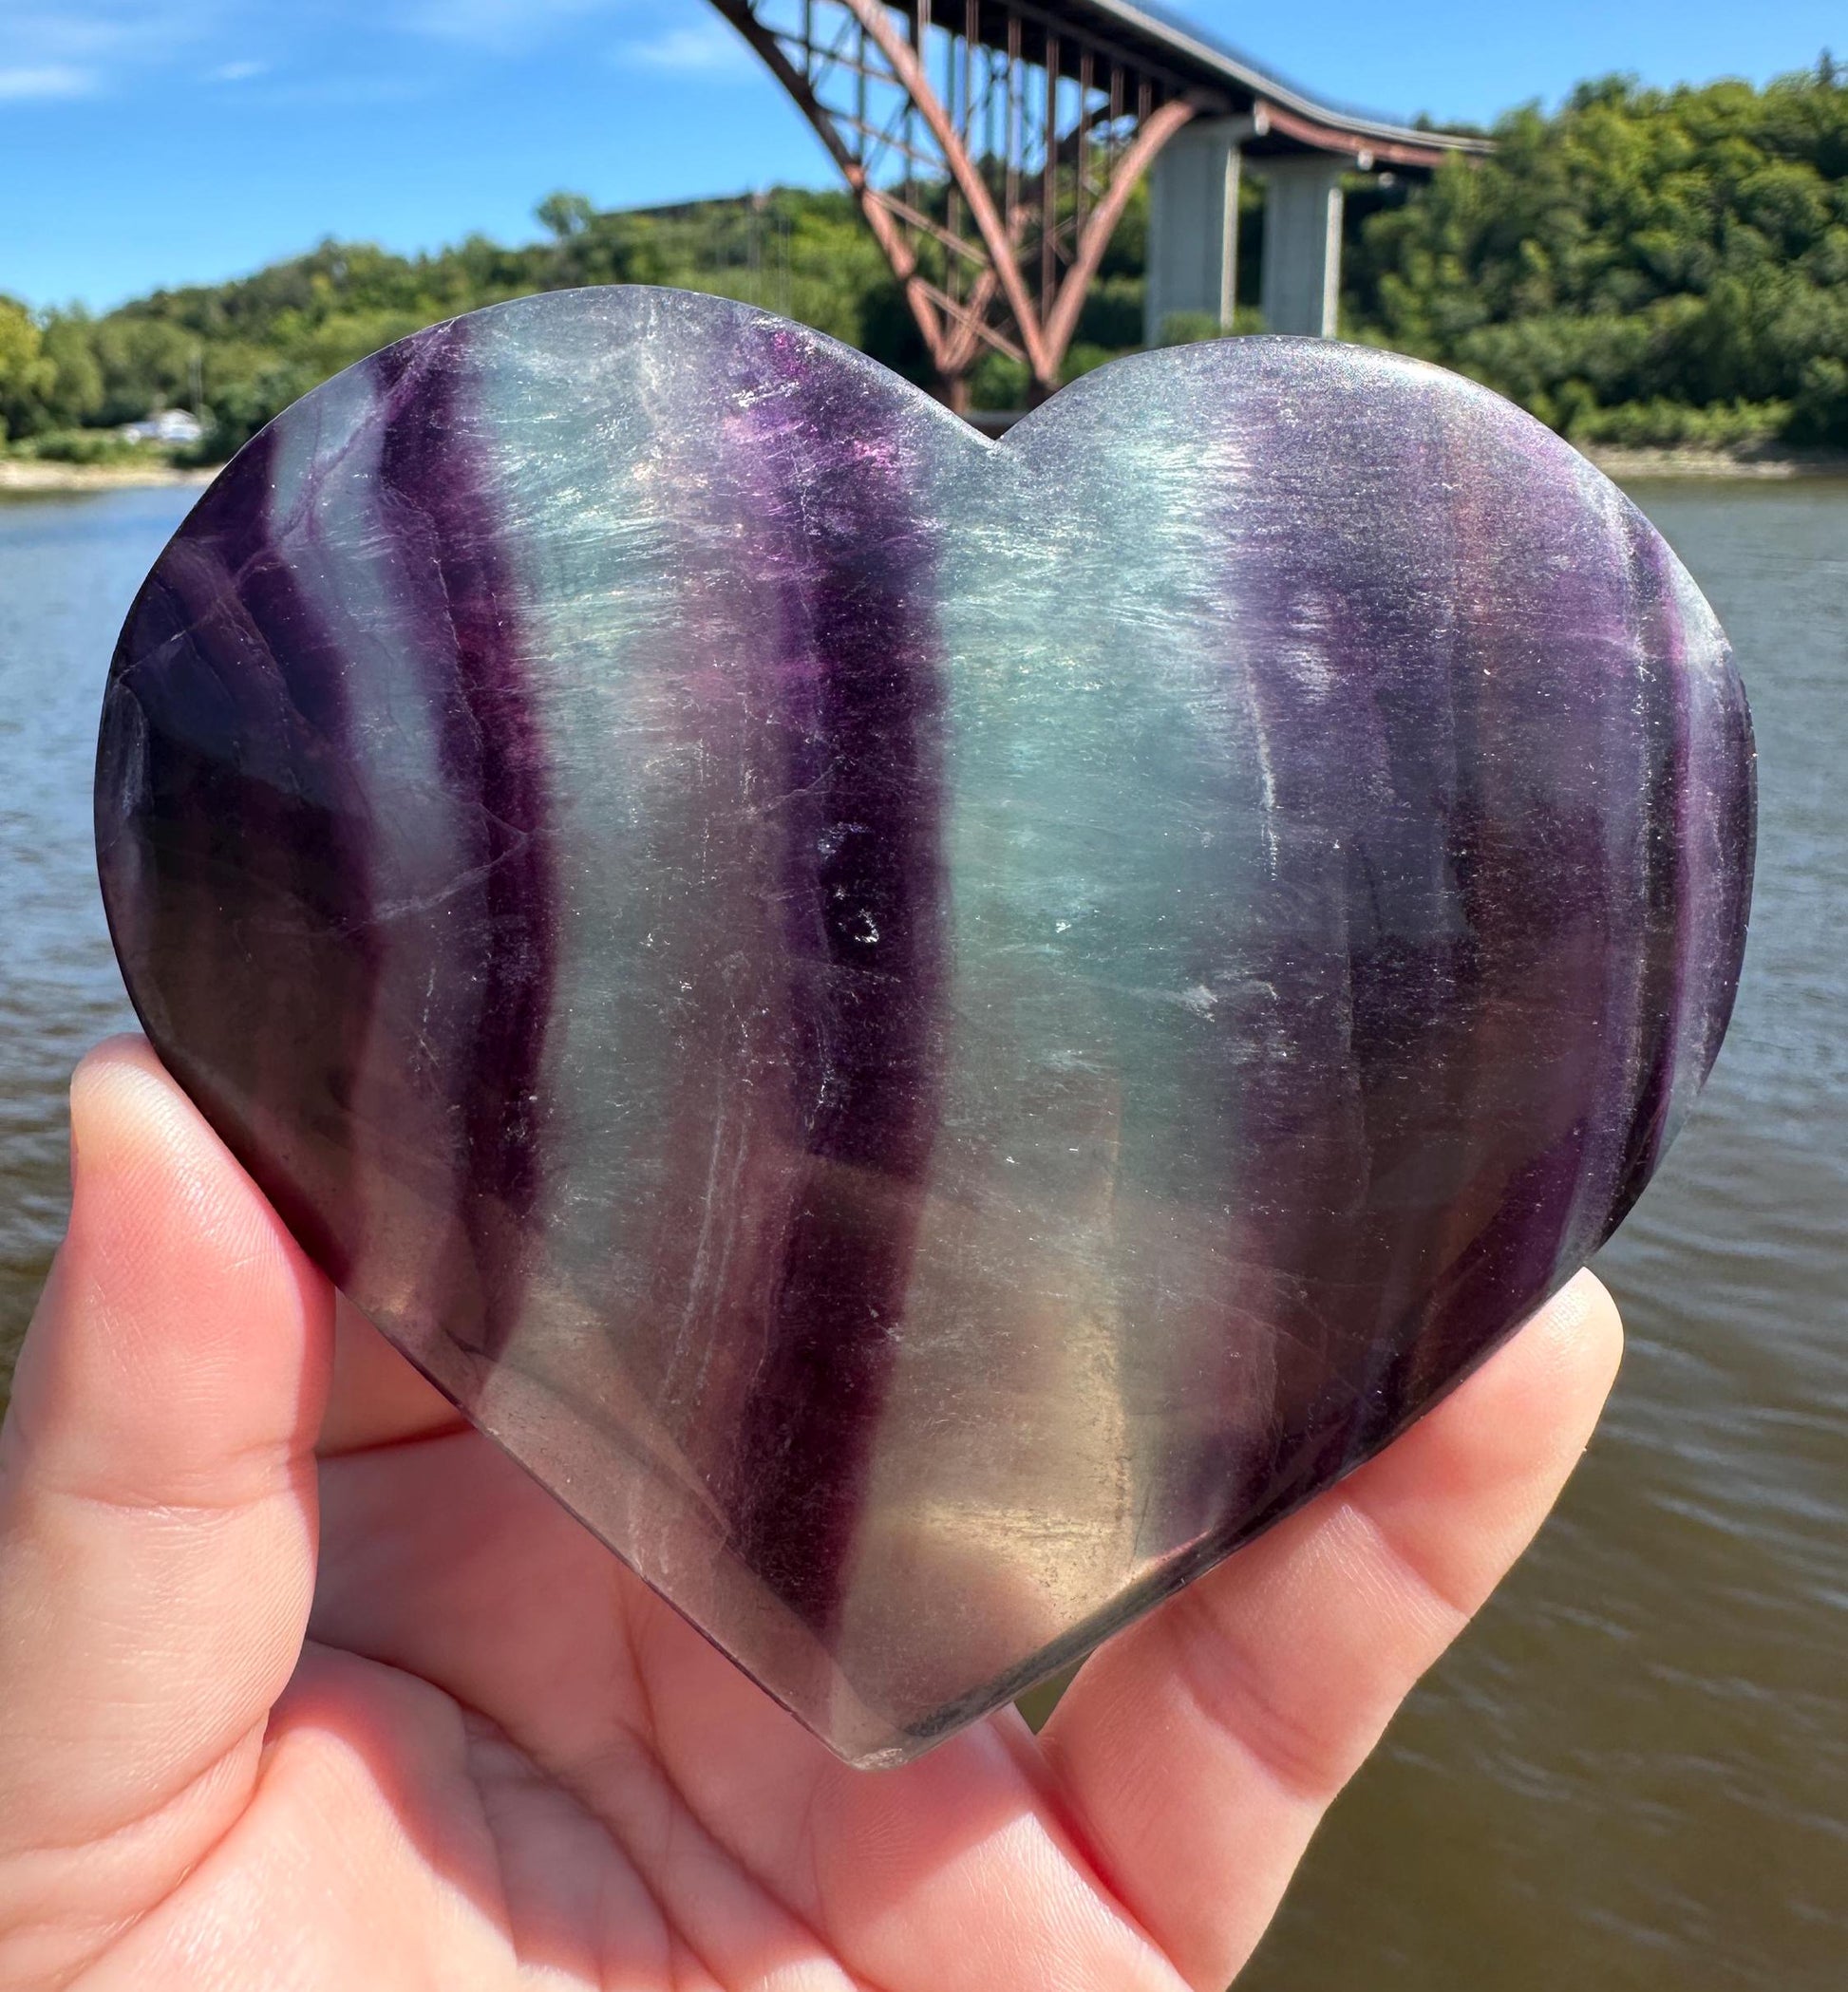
1193 227
1193 246
1302 243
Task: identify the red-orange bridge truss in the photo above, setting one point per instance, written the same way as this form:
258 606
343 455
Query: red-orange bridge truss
992 148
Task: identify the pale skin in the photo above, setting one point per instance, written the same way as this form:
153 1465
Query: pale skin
303 1686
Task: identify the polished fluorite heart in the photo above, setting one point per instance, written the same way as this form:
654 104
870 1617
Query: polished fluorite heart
932 1033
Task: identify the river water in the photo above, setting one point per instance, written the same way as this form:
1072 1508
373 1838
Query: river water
1632 1774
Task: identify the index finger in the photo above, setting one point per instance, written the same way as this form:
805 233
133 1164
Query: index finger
1196 1752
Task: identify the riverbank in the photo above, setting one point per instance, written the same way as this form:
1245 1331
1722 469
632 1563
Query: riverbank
28 476
1622 464
31 476
1753 461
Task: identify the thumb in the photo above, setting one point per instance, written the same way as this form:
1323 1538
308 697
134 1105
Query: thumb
156 1517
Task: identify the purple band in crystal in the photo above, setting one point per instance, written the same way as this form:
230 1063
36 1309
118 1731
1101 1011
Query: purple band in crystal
231 838
436 503
856 687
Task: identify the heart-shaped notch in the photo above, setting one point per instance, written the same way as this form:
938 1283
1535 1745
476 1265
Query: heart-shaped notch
932 1033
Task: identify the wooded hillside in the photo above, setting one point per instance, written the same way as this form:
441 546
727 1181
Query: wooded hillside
1640 266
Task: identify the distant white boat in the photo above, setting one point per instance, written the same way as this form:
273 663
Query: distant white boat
170 426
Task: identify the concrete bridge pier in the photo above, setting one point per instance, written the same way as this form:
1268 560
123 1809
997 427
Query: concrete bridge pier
1193 250
1302 243
1193 225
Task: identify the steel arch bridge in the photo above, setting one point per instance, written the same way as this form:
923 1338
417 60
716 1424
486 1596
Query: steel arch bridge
992 146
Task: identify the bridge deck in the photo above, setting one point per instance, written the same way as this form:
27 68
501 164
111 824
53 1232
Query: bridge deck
1224 81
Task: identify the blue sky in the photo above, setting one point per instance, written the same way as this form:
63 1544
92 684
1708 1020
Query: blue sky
148 141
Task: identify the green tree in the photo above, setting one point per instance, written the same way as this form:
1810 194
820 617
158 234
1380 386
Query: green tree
26 373
1642 266
74 394
1670 263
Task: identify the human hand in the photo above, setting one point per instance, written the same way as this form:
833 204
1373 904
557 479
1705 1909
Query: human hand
488 1756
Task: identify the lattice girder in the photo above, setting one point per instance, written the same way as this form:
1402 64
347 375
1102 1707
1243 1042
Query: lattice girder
991 148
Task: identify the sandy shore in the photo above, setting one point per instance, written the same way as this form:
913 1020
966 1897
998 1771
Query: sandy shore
1765 461
1622 465
26 475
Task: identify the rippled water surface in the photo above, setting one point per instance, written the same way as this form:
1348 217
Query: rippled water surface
1633 1773
68 569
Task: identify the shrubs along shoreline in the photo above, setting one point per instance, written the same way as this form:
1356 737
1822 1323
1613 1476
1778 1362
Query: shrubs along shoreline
25 478
1659 276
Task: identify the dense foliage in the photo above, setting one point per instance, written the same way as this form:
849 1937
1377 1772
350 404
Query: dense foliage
260 341
1642 266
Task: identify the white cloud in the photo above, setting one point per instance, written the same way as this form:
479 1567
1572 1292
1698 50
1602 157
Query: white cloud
693 41
709 47
78 47
79 29
502 25
47 80
236 72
